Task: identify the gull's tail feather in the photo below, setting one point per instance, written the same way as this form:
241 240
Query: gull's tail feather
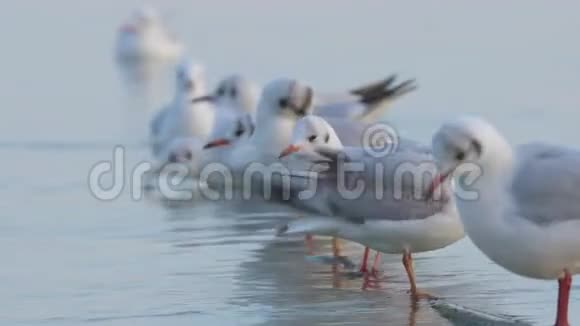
373 87
310 225
377 95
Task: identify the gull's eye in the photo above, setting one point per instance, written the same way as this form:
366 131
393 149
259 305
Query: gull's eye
221 91
188 84
460 156
239 132
283 102
312 138
188 155
326 138
477 146
233 92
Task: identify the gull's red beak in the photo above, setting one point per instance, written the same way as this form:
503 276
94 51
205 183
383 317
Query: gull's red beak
289 150
436 183
217 143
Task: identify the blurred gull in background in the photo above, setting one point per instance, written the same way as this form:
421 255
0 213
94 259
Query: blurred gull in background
145 49
235 99
145 37
185 155
237 93
284 101
188 115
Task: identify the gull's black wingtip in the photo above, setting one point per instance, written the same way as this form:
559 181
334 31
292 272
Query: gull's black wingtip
384 90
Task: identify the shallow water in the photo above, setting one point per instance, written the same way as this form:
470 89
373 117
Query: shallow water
68 258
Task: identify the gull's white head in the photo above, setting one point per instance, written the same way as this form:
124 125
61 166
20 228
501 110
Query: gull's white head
144 17
286 98
310 133
190 79
469 140
238 93
242 129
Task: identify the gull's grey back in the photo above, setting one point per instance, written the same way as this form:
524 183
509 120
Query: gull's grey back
353 133
396 194
546 185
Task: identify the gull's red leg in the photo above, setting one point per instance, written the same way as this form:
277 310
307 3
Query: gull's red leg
369 283
408 263
335 247
375 268
363 265
564 285
309 244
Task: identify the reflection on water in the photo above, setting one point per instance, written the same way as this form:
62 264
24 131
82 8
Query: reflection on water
273 275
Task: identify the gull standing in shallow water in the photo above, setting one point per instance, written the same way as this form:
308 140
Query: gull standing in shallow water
238 94
234 99
527 214
188 115
283 102
390 214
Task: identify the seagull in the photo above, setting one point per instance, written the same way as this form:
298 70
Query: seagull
234 100
145 37
526 216
283 101
364 103
244 127
390 214
188 115
237 93
185 151
275 119
233 122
